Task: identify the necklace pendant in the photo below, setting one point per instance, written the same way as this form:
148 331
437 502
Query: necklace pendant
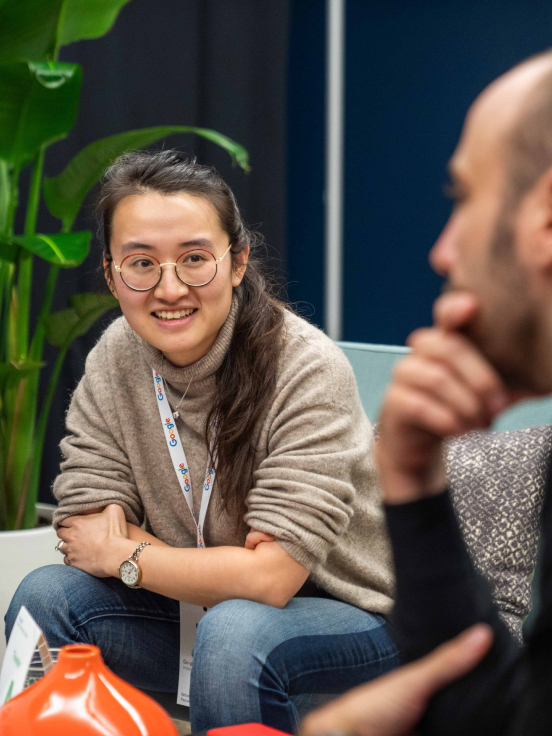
176 414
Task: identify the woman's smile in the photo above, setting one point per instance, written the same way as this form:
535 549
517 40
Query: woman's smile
171 318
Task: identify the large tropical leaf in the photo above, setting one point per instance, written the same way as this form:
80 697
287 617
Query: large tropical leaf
33 30
87 19
65 193
38 105
65 250
28 29
84 310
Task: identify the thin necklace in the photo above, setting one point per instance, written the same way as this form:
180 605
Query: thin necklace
176 413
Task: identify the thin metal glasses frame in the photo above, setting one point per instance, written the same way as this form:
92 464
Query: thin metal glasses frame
148 255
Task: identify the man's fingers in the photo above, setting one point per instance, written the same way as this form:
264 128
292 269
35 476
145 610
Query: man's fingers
421 410
452 660
393 704
444 385
458 354
454 310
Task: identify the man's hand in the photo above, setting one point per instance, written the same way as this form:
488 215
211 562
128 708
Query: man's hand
393 704
445 387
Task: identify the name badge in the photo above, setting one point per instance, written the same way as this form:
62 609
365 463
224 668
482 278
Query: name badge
190 616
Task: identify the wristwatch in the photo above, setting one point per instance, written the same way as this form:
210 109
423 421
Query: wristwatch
130 571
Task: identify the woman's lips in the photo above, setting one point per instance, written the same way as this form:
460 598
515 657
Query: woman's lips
173 322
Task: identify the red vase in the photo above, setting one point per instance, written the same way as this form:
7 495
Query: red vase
80 696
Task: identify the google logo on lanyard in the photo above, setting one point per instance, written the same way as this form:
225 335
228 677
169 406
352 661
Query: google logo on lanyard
184 472
158 382
170 429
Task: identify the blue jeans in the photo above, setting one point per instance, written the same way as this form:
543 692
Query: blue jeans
252 663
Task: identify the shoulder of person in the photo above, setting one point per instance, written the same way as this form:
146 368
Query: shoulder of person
117 344
115 362
309 356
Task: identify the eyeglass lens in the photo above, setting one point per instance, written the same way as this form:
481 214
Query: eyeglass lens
195 268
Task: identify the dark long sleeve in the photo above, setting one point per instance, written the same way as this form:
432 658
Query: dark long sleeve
440 594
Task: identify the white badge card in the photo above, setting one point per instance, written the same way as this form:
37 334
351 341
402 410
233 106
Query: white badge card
25 637
190 616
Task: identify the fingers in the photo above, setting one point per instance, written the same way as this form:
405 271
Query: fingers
452 660
454 310
457 355
393 704
254 538
447 390
63 534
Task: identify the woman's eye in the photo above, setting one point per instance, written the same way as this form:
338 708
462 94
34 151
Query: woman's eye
142 263
194 258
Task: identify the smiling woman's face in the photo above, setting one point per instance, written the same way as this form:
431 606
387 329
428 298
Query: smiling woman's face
166 226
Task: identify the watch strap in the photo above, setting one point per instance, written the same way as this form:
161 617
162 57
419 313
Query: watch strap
134 556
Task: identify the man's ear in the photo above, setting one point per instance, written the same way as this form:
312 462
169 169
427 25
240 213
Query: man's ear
239 266
535 224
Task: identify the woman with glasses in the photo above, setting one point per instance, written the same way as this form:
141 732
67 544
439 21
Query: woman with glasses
217 474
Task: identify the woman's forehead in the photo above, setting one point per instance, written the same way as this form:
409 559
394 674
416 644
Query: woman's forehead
152 216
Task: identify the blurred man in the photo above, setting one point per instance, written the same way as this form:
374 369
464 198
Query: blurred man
491 344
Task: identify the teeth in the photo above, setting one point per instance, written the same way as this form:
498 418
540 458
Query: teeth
174 315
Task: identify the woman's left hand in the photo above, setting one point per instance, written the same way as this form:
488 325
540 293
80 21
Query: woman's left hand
89 540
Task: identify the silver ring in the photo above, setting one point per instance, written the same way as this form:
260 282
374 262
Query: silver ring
59 545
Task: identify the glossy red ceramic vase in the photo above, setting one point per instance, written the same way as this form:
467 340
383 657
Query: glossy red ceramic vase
80 696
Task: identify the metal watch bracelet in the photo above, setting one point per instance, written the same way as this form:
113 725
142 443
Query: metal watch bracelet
139 548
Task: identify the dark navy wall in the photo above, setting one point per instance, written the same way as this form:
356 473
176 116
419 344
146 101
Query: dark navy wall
412 69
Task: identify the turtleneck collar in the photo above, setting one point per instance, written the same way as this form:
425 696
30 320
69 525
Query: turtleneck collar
202 369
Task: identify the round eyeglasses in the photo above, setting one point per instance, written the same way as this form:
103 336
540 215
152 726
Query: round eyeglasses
142 272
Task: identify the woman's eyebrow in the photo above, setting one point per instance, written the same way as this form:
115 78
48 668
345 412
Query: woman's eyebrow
196 243
133 245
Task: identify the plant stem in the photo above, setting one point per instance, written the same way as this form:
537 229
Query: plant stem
24 285
35 353
13 200
4 195
34 194
42 423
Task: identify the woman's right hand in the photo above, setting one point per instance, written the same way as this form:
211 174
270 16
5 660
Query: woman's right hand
254 538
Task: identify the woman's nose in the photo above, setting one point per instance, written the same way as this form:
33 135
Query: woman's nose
170 287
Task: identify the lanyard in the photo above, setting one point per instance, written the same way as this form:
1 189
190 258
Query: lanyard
178 457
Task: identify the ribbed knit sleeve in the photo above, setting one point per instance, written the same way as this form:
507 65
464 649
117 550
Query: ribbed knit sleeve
318 454
96 469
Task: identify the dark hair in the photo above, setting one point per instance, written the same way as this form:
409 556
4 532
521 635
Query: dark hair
246 380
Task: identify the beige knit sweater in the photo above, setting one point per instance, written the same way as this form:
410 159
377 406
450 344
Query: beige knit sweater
314 484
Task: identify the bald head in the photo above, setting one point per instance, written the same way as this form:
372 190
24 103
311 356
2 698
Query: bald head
518 105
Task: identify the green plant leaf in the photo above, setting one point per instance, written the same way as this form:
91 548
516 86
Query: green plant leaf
28 29
65 193
64 249
33 30
8 250
12 373
38 105
84 310
82 19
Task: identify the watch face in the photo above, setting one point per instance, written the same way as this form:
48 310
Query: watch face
129 572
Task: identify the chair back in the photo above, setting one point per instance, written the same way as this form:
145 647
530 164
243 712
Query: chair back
372 365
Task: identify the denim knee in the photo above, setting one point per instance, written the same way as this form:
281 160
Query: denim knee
44 594
233 629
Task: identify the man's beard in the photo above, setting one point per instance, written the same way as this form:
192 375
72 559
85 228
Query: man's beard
505 329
